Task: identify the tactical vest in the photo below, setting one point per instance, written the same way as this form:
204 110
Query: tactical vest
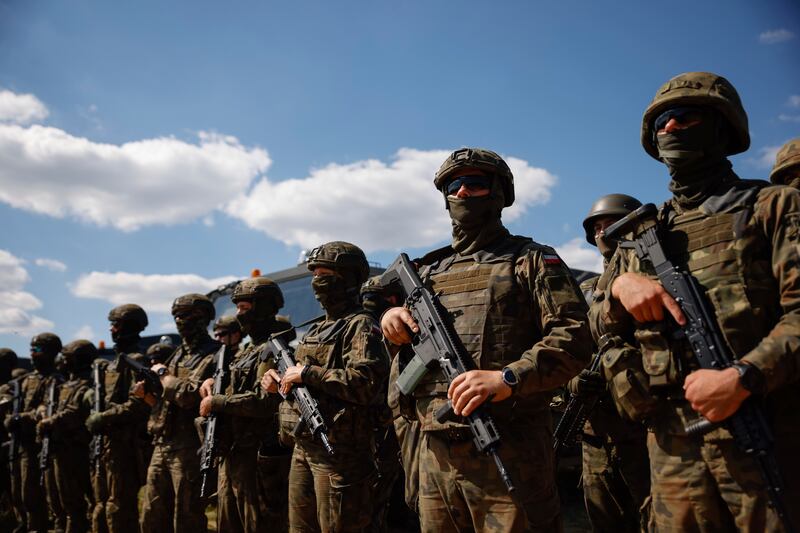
731 259
491 315
347 423
243 431
70 395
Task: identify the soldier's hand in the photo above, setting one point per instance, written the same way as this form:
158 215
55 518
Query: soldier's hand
293 374
138 389
395 325
270 381
715 394
95 423
471 389
205 406
43 426
645 299
207 388
587 383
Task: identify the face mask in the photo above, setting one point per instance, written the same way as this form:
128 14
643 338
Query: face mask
476 221
42 362
685 151
330 291
191 326
125 332
605 248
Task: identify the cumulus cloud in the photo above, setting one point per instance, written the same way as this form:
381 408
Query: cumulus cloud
766 156
21 108
154 292
376 205
84 332
577 253
51 264
783 117
16 304
794 101
775 36
152 181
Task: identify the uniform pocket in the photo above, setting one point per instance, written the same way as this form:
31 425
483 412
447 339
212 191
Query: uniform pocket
658 359
350 501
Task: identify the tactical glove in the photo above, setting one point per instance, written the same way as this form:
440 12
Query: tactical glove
587 383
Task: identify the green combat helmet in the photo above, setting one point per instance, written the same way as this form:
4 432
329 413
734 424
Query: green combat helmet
130 313
8 361
610 205
698 89
194 301
344 258
481 159
48 343
225 325
82 351
788 158
259 288
159 352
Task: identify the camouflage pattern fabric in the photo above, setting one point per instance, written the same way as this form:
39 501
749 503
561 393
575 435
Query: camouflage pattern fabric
273 490
741 246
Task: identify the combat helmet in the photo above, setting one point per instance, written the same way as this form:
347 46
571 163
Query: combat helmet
194 301
49 343
479 158
8 361
788 156
609 205
131 313
698 89
82 350
258 288
226 325
344 258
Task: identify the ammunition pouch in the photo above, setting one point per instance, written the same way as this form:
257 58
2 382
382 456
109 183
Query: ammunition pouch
629 385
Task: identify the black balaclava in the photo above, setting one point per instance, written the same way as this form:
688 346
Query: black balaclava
127 333
333 294
193 327
476 219
258 320
695 157
44 362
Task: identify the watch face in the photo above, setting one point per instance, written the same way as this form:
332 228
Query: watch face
509 377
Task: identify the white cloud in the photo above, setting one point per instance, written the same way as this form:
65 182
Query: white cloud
84 332
775 36
15 303
783 117
51 264
154 292
766 157
21 108
577 253
376 205
794 101
153 181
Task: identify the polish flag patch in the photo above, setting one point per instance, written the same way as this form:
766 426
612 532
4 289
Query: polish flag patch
551 259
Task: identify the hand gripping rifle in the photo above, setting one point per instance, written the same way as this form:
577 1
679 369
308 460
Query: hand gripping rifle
208 452
436 343
98 375
310 415
748 425
152 383
44 454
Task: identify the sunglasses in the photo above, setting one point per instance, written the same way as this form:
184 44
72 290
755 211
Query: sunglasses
682 115
471 183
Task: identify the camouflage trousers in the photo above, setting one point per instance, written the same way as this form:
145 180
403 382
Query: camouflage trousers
705 486
172 492
330 494
70 473
116 485
408 437
27 490
54 505
388 463
273 490
616 483
237 493
461 490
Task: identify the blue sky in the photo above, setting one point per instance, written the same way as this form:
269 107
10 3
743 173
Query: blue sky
149 149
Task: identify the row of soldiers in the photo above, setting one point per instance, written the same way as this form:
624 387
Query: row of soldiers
514 310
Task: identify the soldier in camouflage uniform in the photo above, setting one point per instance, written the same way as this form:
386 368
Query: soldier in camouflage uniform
739 240
248 420
344 364
787 165
519 314
69 438
116 482
172 491
26 488
616 470
159 352
9 516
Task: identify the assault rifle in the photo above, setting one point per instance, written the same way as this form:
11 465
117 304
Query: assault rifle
16 408
310 415
208 452
152 383
748 425
436 343
98 374
44 453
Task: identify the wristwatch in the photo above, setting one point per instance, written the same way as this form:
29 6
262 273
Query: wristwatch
750 377
510 378
304 372
161 371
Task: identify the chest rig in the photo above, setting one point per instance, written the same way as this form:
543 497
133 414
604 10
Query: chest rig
117 381
35 389
731 259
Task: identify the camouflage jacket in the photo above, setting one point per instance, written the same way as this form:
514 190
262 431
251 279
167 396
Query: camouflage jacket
172 420
34 396
69 429
741 244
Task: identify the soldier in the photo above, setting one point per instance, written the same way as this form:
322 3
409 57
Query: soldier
344 364
518 313
8 509
248 421
69 438
615 474
787 165
159 353
739 240
172 491
26 488
228 331
116 481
